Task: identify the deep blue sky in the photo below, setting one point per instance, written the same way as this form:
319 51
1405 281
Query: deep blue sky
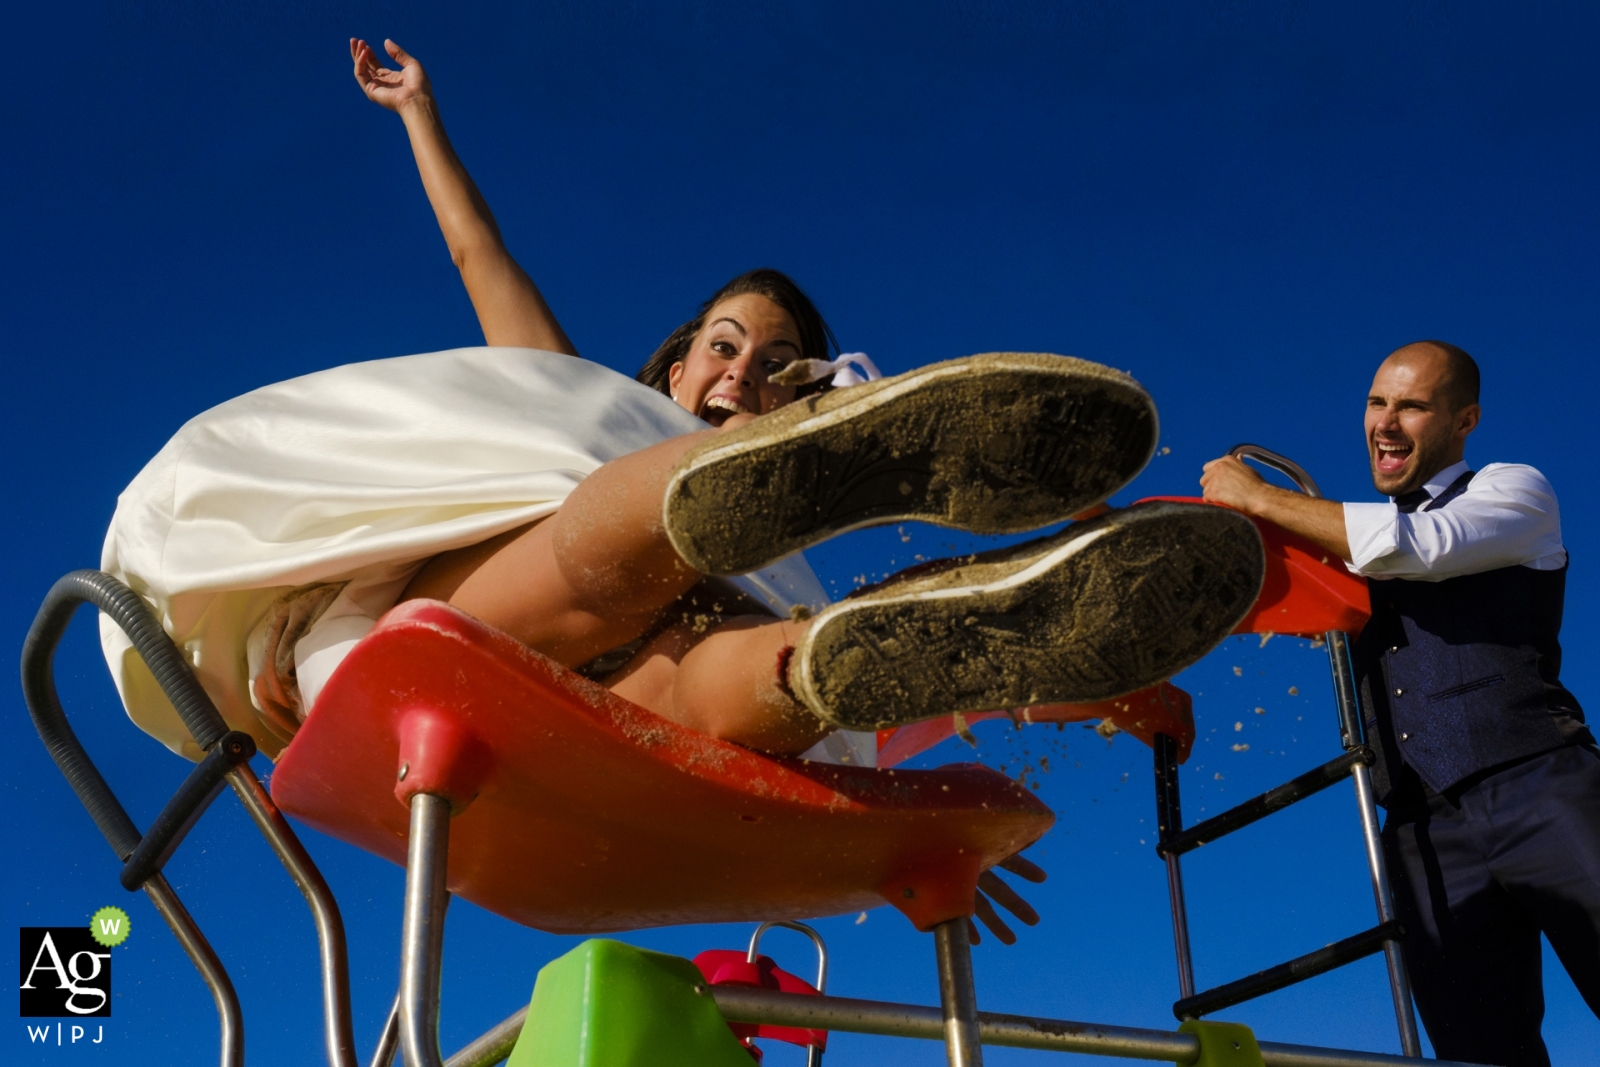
1246 204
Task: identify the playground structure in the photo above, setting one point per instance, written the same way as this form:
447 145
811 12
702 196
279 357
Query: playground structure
471 761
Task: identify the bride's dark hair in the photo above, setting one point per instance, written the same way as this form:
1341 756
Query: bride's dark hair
816 339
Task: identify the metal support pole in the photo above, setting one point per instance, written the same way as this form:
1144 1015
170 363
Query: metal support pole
1180 926
1169 823
958 997
751 1005
205 960
1344 688
1399 981
338 1030
422 933
1350 729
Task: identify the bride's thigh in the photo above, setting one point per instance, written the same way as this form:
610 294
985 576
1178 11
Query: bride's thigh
514 583
585 580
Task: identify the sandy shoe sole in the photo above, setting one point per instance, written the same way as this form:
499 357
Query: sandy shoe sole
1096 611
997 443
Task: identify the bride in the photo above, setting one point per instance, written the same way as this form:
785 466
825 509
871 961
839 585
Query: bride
593 518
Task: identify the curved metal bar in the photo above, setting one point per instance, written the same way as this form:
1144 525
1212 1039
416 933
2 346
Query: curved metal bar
338 1030
1283 464
816 939
146 854
178 682
50 719
422 935
205 960
129 611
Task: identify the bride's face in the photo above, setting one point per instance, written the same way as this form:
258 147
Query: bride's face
745 340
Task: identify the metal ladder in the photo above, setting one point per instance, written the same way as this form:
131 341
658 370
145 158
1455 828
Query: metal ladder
1355 763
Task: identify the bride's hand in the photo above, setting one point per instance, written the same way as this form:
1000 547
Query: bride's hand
989 883
391 88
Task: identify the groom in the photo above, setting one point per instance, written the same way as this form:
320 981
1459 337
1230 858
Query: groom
1490 777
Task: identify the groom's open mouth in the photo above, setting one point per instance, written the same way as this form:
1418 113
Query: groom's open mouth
1390 456
717 409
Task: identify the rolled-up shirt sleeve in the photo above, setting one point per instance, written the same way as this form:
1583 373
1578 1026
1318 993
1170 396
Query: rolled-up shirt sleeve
1507 517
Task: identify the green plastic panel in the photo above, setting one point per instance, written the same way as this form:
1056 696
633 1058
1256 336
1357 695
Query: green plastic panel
1224 1044
607 1004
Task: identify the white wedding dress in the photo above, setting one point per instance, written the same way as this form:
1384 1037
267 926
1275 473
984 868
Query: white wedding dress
356 476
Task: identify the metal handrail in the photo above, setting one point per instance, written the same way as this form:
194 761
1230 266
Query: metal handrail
226 759
816 939
1280 463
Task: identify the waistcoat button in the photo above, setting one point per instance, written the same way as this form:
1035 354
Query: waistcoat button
1393 649
1399 692
1405 737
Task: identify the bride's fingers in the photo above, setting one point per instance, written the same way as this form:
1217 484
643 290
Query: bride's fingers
367 68
398 54
992 920
1024 869
1007 898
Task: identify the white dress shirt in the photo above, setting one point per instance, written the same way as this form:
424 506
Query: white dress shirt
1506 518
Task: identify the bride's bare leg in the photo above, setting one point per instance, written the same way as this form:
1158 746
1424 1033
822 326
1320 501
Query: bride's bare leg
591 577
598 574
723 682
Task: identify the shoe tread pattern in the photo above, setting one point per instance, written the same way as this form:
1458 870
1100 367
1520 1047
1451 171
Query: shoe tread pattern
1150 597
1009 446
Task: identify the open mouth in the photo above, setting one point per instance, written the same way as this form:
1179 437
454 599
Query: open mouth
1391 456
718 409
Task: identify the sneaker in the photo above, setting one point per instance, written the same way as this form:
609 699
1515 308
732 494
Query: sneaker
1096 611
994 444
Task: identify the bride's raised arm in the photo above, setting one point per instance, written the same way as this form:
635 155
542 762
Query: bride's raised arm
509 306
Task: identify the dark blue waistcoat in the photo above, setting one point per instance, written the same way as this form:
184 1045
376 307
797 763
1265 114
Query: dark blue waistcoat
1462 675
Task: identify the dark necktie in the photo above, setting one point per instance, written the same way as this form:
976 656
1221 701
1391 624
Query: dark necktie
1409 502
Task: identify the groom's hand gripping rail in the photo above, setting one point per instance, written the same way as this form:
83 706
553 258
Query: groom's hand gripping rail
143 855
